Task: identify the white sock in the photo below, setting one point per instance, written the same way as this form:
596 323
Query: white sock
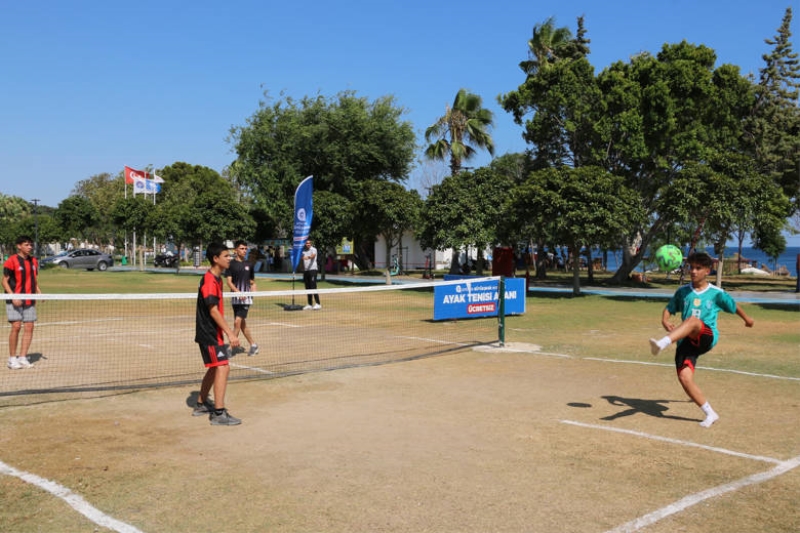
711 415
657 345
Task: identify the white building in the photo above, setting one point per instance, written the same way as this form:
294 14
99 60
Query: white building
415 257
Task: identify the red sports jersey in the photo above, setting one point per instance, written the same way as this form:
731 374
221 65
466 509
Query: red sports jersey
207 333
22 275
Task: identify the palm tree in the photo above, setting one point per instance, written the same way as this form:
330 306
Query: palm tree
461 131
547 45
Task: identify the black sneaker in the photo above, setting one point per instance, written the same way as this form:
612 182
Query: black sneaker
224 419
203 408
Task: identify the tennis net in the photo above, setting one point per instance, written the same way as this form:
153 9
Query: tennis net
105 342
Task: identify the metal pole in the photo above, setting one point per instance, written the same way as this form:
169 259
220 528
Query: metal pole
501 310
36 225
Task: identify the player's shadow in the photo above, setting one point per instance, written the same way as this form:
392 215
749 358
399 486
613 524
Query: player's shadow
656 408
35 357
193 398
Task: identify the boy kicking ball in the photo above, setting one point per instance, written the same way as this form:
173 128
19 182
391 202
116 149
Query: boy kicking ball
699 304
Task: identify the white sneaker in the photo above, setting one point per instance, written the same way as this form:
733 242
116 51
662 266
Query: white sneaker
306 308
24 363
655 349
710 419
253 350
13 363
317 306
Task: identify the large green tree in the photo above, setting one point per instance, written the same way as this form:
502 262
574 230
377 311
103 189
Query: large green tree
341 141
387 209
197 206
465 211
333 218
646 121
461 131
103 191
78 218
773 129
576 207
12 210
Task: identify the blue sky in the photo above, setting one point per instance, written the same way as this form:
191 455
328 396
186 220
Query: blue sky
88 86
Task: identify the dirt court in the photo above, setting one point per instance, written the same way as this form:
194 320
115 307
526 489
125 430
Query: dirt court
513 440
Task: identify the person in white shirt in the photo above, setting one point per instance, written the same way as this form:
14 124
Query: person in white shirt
310 274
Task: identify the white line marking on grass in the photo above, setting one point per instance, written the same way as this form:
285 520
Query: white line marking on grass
675 441
771 376
731 371
693 499
73 322
73 500
253 368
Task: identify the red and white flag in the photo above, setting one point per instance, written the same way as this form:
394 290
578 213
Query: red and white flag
131 174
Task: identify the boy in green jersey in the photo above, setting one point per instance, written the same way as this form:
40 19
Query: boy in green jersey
699 304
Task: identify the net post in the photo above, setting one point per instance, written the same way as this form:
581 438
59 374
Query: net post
501 311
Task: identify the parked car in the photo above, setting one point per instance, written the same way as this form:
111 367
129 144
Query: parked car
83 258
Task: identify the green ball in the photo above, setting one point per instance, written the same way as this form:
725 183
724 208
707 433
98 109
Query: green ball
668 258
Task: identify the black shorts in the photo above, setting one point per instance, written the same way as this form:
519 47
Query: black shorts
690 349
216 355
240 311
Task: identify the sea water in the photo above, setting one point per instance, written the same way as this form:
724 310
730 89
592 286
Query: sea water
787 259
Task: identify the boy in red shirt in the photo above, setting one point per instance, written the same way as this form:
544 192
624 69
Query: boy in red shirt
21 276
209 330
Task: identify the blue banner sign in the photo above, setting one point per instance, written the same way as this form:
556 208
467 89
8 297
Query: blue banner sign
303 215
477 299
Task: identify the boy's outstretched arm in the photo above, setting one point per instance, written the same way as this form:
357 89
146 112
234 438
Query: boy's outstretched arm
748 322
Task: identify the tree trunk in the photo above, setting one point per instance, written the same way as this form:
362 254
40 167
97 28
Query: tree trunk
454 262
589 265
576 270
479 263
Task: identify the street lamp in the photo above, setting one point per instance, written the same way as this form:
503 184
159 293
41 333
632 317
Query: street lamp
36 225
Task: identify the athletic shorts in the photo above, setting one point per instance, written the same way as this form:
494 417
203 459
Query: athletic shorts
215 355
23 313
240 311
690 349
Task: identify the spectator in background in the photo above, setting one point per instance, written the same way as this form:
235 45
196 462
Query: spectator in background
310 273
21 276
240 276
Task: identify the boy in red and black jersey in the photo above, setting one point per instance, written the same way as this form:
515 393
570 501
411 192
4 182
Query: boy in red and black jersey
21 276
210 332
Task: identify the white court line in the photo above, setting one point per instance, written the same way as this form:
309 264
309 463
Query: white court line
435 341
693 499
253 368
73 500
73 322
710 369
675 441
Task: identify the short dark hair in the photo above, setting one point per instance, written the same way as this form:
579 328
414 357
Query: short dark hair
239 243
213 250
23 239
700 258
